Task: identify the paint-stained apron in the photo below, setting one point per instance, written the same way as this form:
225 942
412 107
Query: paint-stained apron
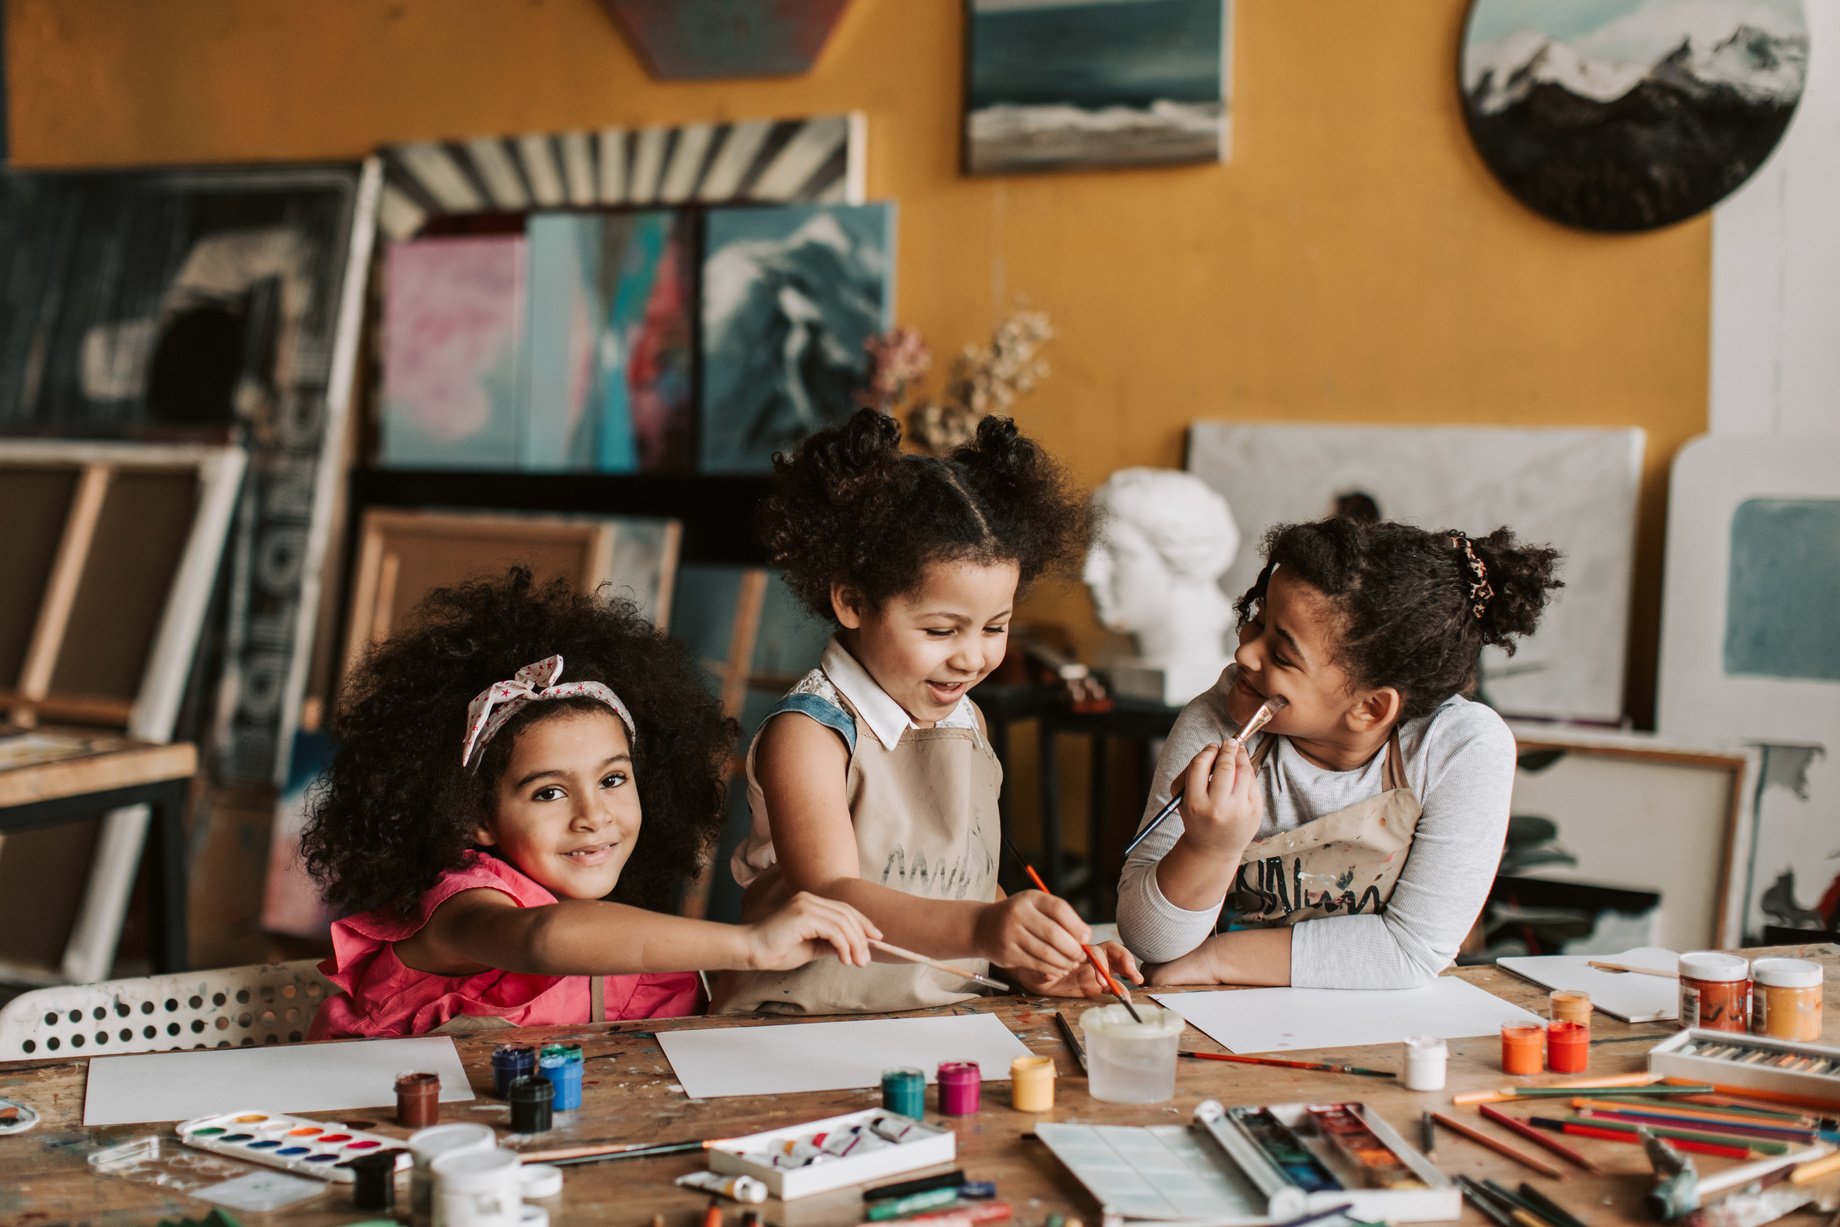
926 823
1341 864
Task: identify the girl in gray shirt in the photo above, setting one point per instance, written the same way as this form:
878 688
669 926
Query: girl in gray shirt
1354 841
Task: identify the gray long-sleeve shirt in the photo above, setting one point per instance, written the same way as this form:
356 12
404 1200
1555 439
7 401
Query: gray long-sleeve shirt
1459 761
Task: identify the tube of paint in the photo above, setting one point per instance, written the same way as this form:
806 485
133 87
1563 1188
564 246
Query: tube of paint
740 1188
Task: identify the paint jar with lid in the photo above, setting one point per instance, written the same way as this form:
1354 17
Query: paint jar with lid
374 1181
509 1063
904 1092
561 1064
1426 1059
1128 1061
1569 1005
1031 1084
1786 1000
532 1101
427 1145
960 1083
1568 1046
418 1100
1523 1048
1715 991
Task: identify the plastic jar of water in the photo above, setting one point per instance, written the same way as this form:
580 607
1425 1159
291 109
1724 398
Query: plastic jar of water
1129 1061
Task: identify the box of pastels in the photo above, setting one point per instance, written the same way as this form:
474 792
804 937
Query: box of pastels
822 1155
1750 1062
314 1148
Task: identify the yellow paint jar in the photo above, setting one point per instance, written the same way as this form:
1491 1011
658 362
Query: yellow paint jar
1786 1003
1031 1084
1570 1005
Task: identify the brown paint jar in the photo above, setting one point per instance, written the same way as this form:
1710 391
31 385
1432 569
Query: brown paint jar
1715 991
418 1100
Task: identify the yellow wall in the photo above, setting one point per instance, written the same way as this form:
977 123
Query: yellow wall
1353 261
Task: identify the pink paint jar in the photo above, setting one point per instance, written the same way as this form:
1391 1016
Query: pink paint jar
959 1085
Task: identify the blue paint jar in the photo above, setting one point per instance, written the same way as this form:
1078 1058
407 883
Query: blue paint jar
904 1092
561 1064
509 1063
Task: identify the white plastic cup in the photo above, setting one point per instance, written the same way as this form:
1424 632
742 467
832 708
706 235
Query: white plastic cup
1128 1061
427 1145
478 1188
1426 1058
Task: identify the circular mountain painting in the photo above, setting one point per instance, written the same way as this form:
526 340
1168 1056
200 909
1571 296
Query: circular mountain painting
1630 114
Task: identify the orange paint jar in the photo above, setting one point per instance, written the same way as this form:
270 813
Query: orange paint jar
1523 1048
1568 1047
1786 1001
1715 991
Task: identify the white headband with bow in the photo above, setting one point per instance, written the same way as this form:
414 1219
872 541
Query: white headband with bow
500 701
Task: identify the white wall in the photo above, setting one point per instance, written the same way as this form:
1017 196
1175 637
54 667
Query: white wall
1775 346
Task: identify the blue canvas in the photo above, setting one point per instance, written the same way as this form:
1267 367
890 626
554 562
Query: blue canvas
790 294
1784 590
561 348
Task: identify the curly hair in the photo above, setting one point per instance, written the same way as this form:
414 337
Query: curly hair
1406 599
396 809
849 507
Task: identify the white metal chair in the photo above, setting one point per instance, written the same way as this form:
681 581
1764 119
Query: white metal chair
227 1007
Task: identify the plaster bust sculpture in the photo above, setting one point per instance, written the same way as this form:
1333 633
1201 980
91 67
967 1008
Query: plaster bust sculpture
1162 540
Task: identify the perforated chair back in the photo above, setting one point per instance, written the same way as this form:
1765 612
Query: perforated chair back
228 1007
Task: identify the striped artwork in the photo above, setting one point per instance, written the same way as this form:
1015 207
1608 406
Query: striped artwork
814 161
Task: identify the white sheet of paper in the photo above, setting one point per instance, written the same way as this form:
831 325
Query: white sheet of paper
833 1056
1281 1019
176 1086
1628 995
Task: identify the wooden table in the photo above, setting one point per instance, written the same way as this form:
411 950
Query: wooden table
81 774
630 1094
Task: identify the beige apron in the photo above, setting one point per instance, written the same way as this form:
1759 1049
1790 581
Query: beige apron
1340 864
926 823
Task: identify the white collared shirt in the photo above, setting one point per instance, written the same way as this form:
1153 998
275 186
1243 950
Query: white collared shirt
886 718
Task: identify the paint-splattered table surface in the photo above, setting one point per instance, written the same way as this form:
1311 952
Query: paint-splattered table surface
631 1095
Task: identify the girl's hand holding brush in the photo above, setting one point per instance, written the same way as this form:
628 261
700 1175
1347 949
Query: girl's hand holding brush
1221 806
1084 980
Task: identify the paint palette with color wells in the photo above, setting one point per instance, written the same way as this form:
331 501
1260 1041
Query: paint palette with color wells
316 1148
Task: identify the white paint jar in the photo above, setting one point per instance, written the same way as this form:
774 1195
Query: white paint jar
1426 1057
427 1145
478 1188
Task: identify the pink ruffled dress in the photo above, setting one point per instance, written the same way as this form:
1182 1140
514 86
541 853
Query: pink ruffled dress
384 998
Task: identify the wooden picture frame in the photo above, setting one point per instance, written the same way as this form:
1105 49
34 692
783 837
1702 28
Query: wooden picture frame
115 548
1642 811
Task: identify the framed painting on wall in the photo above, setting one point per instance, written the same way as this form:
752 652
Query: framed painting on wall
1082 84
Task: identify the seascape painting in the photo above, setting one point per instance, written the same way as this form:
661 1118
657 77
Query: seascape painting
1075 84
1630 114
790 294
453 328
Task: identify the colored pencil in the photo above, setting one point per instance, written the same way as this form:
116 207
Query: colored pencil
1092 956
1561 1092
1611 1135
1479 1198
914 956
1815 1169
1667 1113
604 1151
1760 1145
1073 1040
1260 718
1585 1083
1549 1208
1539 1139
1326 1067
1641 971
1499 1147
1519 1208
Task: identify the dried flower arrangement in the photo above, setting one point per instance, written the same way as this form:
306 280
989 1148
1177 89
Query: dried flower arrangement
983 380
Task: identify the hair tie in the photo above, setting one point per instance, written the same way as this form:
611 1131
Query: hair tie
500 701
1481 591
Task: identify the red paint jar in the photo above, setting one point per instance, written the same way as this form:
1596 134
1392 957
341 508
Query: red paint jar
418 1100
1523 1048
1568 1047
1715 991
959 1085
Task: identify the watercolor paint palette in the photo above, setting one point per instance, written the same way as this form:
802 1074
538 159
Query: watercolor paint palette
912 1145
316 1148
1255 1165
1750 1062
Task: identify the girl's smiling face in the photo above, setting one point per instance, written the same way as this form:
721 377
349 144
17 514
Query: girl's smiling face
928 647
566 808
1287 647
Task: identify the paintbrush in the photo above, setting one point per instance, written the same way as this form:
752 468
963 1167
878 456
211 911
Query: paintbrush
1073 1041
1645 971
600 1152
914 956
1323 1066
1260 718
1092 956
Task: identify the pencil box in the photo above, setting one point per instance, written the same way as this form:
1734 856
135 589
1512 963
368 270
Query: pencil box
922 1145
1750 1062
314 1148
